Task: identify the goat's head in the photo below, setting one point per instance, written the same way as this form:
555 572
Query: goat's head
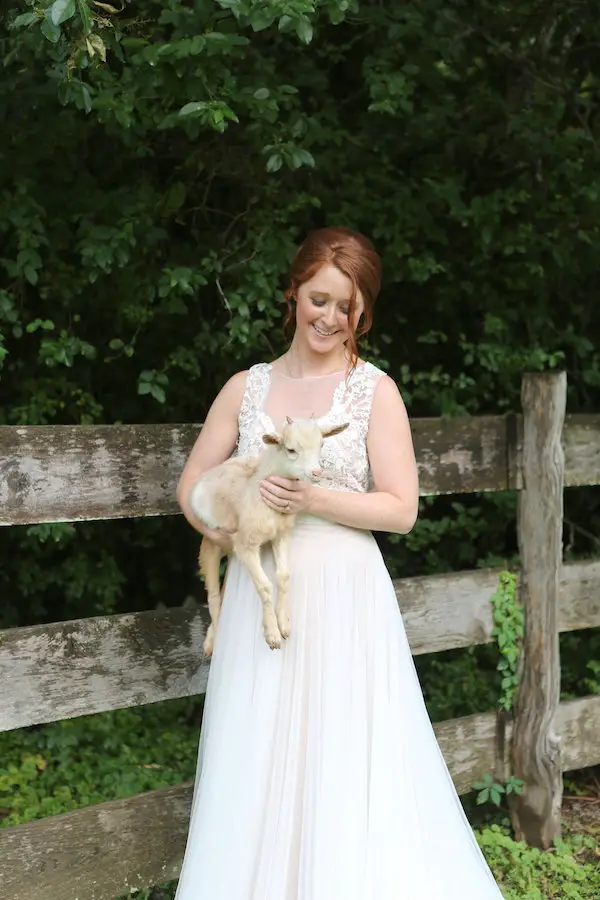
300 445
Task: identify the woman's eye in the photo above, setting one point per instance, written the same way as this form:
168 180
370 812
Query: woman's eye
291 452
345 310
318 302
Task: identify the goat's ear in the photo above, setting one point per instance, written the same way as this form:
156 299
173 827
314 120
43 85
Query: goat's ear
337 429
271 439
289 421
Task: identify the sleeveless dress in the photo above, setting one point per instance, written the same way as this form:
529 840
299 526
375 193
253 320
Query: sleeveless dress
319 775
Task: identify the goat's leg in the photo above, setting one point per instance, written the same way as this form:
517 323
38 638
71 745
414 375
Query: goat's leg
282 573
250 557
209 561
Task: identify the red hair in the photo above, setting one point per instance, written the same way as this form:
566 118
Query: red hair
355 257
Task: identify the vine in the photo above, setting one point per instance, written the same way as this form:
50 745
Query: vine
508 630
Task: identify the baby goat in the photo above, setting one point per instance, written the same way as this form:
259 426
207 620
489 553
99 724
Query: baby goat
228 497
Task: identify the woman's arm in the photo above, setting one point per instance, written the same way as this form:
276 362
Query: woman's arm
214 445
393 504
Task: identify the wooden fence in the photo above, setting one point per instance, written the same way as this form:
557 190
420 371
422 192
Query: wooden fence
66 669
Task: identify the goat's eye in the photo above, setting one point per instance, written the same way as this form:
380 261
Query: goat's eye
291 452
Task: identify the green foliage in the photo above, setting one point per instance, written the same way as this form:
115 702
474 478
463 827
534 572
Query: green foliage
568 872
508 630
58 767
491 791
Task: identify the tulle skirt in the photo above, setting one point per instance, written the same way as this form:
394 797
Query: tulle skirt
319 775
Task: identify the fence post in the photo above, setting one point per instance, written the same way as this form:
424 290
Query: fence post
535 751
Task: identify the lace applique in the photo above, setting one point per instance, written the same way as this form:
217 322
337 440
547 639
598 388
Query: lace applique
250 440
344 456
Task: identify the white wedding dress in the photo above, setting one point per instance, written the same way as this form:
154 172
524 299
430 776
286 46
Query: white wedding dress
319 776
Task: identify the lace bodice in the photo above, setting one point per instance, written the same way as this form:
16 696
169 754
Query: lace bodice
344 457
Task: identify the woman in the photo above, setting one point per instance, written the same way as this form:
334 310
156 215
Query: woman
319 776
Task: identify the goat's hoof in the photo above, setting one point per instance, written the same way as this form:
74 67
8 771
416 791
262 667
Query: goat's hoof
273 639
283 620
208 645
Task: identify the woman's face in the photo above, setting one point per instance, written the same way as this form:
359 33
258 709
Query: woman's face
322 305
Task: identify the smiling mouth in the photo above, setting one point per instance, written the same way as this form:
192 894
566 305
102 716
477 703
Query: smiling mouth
324 333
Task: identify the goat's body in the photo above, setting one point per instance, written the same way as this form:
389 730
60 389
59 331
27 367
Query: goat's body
228 497
255 525
219 496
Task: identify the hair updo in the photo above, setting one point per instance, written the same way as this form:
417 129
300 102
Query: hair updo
355 256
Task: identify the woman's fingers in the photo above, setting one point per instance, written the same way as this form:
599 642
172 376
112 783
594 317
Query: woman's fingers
276 498
288 484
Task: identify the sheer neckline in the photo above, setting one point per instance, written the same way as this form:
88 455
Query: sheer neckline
337 399
273 371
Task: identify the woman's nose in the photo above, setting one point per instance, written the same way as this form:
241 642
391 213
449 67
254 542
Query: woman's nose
330 315
316 473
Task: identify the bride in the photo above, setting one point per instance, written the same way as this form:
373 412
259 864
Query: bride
319 776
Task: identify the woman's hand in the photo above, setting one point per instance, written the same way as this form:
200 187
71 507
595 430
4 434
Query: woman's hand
286 495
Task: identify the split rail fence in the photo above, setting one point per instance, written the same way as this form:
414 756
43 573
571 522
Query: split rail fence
67 669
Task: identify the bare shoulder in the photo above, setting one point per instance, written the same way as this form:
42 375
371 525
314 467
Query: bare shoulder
387 395
231 394
235 385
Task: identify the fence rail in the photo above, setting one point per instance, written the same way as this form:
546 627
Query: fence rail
69 473
66 669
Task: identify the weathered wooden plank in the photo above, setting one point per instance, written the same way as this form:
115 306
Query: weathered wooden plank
84 666
104 851
468 746
64 473
97 853
581 440
579 605
462 455
578 725
446 612
536 747
66 669
72 473
469 743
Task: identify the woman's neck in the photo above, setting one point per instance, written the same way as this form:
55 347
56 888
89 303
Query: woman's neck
298 362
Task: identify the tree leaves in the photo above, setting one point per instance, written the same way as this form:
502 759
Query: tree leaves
96 45
50 30
164 169
61 11
153 383
25 19
214 113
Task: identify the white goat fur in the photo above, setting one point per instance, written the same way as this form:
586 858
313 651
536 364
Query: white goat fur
228 497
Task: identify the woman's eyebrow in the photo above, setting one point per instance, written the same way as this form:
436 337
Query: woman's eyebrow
323 295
